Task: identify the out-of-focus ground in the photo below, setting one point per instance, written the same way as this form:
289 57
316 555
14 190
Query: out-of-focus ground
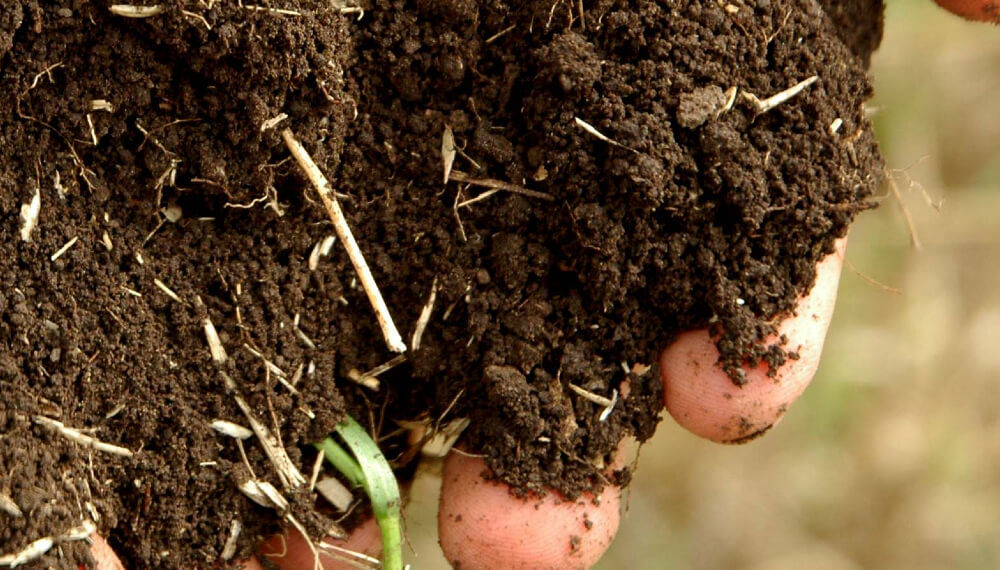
891 459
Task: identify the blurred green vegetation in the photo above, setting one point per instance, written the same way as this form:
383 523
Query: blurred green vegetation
891 459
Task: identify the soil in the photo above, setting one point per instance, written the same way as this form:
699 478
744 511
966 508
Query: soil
652 207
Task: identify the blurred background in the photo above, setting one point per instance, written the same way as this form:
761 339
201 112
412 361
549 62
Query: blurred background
891 459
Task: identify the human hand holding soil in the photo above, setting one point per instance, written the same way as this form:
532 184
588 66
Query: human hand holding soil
482 525
655 206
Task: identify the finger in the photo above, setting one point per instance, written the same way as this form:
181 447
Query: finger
292 551
702 398
985 10
104 557
481 525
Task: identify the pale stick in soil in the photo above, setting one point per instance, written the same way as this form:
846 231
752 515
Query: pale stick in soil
81 438
29 215
763 106
592 130
168 291
459 176
130 11
607 403
64 248
448 152
370 379
392 337
229 549
425 317
39 547
8 506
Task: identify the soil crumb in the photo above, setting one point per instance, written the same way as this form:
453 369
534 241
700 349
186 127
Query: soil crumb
571 186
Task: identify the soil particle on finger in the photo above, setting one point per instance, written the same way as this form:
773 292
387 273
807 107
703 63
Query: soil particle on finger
605 195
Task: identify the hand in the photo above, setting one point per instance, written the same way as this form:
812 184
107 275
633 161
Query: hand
984 10
481 525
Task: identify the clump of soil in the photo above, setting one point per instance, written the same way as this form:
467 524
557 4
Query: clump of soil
613 183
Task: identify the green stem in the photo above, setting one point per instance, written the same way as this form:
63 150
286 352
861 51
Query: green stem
370 469
342 461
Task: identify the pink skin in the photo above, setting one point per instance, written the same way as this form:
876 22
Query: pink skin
481 525
982 10
293 553
105 557
702 398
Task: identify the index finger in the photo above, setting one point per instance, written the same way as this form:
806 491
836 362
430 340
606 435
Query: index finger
700 395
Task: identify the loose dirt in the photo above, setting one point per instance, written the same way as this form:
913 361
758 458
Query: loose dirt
611 182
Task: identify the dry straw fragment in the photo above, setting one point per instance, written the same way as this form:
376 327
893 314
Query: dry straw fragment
29 215
229 549
130 11
8 506
326 194
81 438
448 152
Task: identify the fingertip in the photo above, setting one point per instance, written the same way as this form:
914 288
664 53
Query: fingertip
481 525
981 10
104 557
702 398
292 552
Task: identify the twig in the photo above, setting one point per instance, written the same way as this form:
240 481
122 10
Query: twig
130 11
763 106
590 396
290 475
425 317
317 468
64 248
281 11
500 34
459 176
39 547
81 438
478 198
600 136
168 291
370 379
392 337
215 347
458 217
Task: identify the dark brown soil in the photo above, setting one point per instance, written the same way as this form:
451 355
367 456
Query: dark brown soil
692 216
